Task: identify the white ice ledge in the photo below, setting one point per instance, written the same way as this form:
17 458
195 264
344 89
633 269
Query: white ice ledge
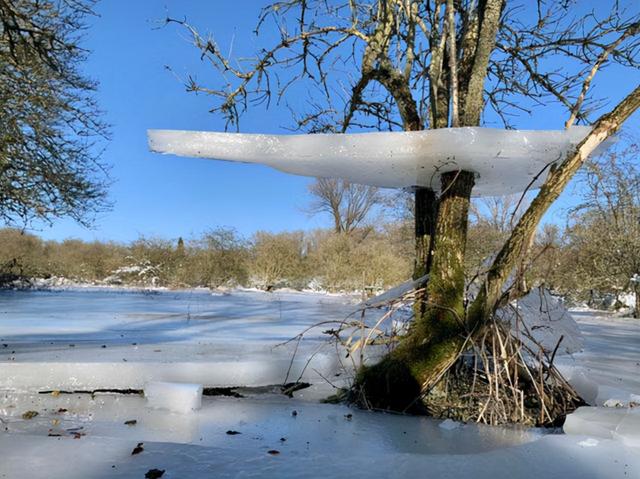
505 161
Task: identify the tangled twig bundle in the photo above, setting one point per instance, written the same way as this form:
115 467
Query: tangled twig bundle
502 374
499 379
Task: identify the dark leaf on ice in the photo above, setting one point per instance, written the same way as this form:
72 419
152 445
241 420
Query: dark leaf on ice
29 414
138 449
154 473
131 422
233 433
273 452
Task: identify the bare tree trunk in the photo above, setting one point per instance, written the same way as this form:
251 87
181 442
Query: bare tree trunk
440 330
636 310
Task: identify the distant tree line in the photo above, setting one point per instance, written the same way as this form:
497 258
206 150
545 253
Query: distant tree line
594 258
321 259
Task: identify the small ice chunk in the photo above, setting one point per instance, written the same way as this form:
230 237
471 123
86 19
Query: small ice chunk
449 425
585 387
613 403
591 442
176 397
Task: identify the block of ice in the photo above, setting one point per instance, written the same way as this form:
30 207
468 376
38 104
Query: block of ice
593 421
449 425
622 424
176 397
585 387
546 319
628 431
505 161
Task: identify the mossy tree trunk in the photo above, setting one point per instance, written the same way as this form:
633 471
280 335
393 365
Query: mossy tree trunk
444 312
439 329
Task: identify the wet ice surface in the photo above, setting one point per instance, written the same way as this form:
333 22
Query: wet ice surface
79 436
262 421
318 441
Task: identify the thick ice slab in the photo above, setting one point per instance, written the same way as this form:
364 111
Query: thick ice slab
621 423
176 397
546 319
505 161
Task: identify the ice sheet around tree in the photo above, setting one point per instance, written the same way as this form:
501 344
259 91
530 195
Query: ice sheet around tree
319 441
505 161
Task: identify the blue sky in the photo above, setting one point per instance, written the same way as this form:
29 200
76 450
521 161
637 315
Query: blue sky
167 196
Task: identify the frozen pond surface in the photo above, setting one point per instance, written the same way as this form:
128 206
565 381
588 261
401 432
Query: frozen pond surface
79 339
226 338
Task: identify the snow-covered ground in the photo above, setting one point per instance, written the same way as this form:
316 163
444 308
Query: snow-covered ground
54 340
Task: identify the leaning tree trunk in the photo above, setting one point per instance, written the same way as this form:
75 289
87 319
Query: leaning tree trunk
439 328
559 176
